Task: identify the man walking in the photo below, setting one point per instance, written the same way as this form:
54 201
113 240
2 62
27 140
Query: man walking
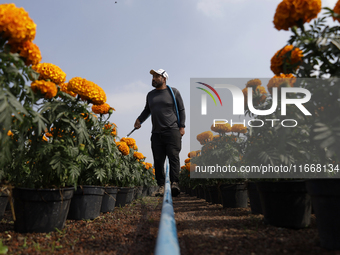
167 131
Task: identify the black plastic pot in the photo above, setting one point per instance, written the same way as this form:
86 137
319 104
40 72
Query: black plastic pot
207 195
325 194
124 196
8 206
3 204
109 199
151 190
254 198
138 192
86 203
193 192
181 188
234 195
200 192
41 210
214 194
145 191
285 203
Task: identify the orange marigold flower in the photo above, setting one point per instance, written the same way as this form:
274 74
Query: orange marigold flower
123 148
337 10
84 115
45 139
101 109
193 154
138 155
190 167
147 165
294 53
10 133
108 126
254 83
282 80
262 90
187 160
239 128
207 147
50 72
221 127
76 85
93 93
259 90
205 137
15 24
129 141
46 88
290 12
28 50
63 88
114 133
112 129
48 134
215 137
87 90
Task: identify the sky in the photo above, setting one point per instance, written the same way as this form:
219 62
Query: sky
115 44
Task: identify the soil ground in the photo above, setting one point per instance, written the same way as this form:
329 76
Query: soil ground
202 228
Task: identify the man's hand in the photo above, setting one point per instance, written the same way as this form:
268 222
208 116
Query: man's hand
137 124
182 131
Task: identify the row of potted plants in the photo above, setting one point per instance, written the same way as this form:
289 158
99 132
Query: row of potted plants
53 143
310 61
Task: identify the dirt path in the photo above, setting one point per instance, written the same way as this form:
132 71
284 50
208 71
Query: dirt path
202 228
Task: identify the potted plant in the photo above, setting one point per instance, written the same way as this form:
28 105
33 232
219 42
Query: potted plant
45 167
99 156
147 177
223 150
128 172
45 127
25 125
284 199
320 43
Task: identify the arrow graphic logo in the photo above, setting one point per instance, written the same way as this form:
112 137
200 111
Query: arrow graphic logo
209 93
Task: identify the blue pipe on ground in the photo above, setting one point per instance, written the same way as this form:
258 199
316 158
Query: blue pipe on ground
167 241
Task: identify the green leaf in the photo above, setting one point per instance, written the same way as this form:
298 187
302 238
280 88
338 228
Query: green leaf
329 141
3 248
12 69
3 105
323 135
336 43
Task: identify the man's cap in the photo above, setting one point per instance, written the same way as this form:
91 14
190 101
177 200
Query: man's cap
160 72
